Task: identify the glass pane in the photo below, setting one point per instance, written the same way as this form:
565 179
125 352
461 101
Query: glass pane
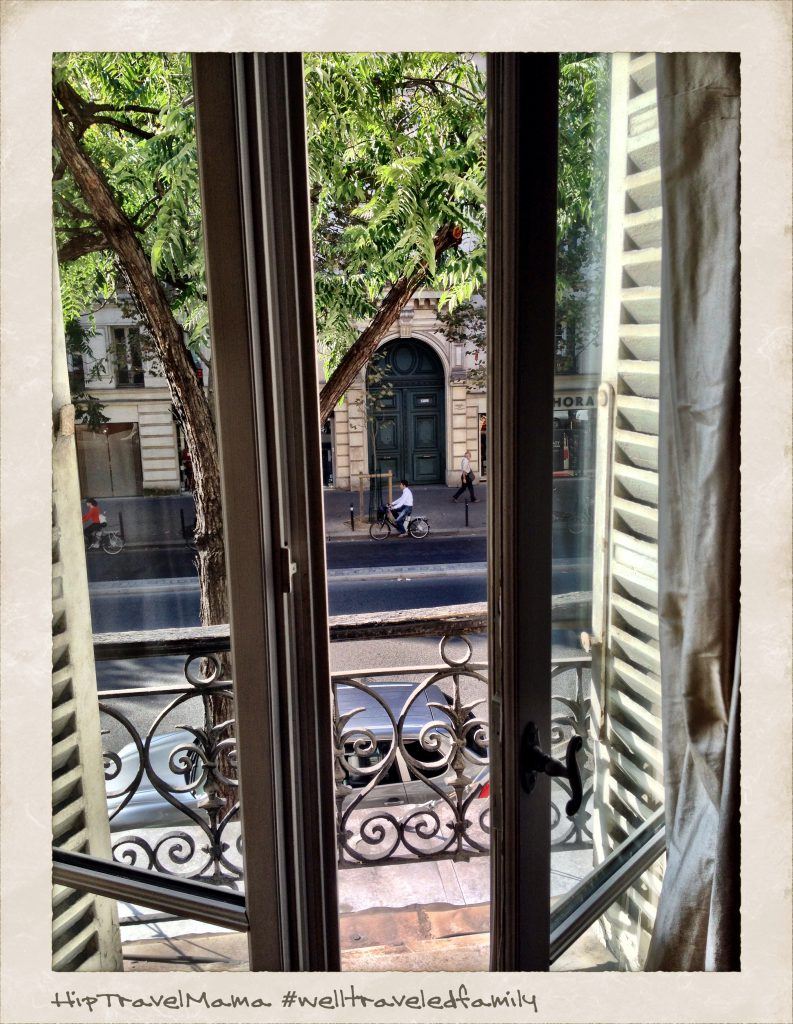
396 153
605 675
138 577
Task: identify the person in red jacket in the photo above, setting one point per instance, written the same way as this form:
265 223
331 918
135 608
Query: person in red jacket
92 522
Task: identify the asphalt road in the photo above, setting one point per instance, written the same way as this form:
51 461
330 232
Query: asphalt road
135 563
159 606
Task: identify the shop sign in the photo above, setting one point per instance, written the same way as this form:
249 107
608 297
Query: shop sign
571 401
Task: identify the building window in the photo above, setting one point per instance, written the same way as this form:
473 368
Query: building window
76 367
128 357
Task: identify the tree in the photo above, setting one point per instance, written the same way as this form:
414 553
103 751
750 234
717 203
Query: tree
126 204
583 152
396 146
396 153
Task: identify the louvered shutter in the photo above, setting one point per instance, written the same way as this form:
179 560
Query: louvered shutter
626 662
85 933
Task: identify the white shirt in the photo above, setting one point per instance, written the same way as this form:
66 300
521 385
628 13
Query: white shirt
465 466
406 498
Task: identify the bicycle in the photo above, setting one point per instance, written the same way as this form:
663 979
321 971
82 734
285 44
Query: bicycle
112 543
416 526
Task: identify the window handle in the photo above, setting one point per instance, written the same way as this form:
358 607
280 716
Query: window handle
534 760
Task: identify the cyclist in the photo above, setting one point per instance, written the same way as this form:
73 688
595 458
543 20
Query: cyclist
405 505
94 518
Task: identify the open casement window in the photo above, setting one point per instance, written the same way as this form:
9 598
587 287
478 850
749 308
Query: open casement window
626 669
253 165
252 162
85 935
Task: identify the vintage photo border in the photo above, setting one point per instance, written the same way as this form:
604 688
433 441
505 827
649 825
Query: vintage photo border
761 31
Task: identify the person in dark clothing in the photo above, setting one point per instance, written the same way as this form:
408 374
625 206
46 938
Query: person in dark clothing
466 478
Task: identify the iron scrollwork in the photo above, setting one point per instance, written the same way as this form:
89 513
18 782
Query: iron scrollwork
411 776
438 742
196 782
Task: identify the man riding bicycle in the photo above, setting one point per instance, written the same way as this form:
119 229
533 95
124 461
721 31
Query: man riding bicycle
405 505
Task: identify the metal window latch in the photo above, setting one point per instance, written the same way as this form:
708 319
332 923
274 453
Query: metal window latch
288 569
534 760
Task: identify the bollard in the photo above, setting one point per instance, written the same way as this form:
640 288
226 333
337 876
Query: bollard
184 527
466 513
121 524
352 517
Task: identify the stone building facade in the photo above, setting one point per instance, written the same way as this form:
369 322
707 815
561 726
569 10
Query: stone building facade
416 416
431 418
138 450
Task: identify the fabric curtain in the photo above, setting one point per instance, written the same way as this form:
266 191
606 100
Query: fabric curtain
697 924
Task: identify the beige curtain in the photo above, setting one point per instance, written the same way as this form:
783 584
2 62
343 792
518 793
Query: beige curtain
697 926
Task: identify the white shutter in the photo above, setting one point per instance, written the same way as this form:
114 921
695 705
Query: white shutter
85 933
626 664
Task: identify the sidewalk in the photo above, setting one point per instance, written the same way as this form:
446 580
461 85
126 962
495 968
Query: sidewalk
446 518
156 521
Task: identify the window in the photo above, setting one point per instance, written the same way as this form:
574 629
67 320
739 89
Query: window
127 354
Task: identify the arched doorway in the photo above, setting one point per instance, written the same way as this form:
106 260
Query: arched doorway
407 412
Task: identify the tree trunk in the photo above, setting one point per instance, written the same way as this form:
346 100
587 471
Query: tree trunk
400 293
189 403
186 393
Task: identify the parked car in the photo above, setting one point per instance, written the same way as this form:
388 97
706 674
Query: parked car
149 808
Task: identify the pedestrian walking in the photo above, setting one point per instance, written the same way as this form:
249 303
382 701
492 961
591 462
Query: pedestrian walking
466 478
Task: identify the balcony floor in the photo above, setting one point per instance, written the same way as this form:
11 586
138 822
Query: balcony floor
382 926
439 938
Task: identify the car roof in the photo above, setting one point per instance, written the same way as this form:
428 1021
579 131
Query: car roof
373 717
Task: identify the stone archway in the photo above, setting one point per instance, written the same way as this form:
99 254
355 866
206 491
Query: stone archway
407 412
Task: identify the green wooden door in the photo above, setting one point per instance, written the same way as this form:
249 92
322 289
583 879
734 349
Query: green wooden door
407 407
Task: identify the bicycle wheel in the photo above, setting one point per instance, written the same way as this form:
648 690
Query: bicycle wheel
112 543
379 530
419 527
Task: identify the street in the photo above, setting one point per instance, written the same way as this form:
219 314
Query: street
153 593
147 588
175 560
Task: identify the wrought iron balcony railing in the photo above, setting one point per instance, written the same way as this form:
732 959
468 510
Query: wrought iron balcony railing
411 751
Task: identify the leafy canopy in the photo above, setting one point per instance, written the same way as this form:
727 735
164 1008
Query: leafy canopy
141 136
583 157
396 145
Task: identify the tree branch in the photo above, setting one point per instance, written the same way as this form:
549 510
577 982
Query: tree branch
73 209
123 126
362 350
433 83
121 108
83 113
80 245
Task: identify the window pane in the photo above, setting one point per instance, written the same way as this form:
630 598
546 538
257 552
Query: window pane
606 673
136 577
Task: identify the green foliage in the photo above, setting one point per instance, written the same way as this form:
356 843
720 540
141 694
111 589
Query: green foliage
396 146
87 409
583 155
466 324
142 138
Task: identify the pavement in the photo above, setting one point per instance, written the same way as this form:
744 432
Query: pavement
159 520
446 517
